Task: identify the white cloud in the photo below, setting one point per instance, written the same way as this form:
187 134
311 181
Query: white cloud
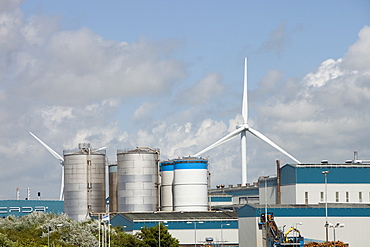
358 55
82 68
7 5
270 81
201 93
327 71
279 38
145 111
55 114
79 67
10 25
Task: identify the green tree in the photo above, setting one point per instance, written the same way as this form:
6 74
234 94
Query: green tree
35 229
5 242
122 239
150 237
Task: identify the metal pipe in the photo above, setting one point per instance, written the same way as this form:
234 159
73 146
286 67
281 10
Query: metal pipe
278 182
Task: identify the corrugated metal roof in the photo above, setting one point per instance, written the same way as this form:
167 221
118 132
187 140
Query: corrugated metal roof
156 216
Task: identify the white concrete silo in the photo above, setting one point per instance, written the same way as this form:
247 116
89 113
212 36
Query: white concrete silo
190 184
137 172
84 182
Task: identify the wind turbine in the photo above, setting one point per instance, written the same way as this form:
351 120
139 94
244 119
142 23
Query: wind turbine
242 130
61 160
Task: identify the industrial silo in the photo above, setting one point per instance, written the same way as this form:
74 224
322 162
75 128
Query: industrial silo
84 182
166 169
113 187
137 172
190 184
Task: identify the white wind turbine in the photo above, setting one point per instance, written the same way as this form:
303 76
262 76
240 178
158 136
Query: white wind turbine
61 160
242 130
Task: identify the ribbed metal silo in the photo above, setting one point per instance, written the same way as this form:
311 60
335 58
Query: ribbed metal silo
137 172
190 184
113 186
166 169
84 182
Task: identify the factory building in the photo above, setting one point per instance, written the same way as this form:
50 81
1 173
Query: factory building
231 197
301 184
23 207
310 220
304 184
144 191
189 228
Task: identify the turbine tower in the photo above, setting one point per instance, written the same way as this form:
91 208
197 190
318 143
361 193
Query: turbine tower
61 160
242 130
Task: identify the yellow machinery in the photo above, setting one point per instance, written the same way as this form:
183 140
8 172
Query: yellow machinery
275 237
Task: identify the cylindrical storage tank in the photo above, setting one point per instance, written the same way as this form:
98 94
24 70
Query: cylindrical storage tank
84 182
137 172
166 169
190 184
113 186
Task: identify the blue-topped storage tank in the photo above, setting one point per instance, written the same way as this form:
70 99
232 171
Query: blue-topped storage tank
190 184
167 174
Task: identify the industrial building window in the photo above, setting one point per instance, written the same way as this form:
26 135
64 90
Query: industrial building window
337 196
360 196
306 197
347 196
321 196
243 200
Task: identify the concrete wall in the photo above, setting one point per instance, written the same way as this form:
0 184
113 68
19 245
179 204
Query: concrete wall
248 236
288 194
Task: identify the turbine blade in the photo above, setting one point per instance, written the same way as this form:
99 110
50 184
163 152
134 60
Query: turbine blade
245 92
265 139
55 154
222 140
102 148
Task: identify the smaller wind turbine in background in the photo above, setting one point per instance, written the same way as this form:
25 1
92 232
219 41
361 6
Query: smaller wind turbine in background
61 160
242 130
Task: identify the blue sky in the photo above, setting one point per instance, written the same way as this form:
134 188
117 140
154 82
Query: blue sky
169 75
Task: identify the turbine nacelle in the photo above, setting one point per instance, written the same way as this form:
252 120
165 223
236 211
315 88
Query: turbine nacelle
244 126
